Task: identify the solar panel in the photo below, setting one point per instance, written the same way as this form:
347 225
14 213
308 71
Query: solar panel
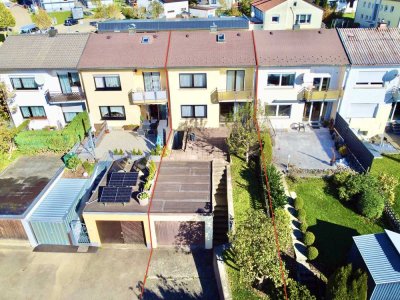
116 194
123 179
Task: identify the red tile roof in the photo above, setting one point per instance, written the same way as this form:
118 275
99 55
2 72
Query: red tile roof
265 5
124 50
299 48
201 49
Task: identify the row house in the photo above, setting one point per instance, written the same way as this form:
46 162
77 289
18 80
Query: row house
300 75
41 70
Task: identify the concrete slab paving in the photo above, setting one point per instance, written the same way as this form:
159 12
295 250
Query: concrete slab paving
106 274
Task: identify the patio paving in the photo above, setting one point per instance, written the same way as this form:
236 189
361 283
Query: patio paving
311 149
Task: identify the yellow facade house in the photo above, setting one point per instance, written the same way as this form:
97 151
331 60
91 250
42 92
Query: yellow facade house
210 75
124 77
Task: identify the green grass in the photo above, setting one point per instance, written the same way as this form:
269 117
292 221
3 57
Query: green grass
389 164
333 224
61 16
5 161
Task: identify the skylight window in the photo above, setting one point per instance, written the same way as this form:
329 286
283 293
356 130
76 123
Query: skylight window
220 38
145 40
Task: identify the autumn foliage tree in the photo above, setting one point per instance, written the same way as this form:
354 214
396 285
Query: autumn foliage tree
6 18
42 20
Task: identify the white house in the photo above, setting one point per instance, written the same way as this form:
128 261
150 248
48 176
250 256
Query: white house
41 70
370 99
57 5
286 14
300 75
172 8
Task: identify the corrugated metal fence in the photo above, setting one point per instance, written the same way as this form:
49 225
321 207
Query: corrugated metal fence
361 153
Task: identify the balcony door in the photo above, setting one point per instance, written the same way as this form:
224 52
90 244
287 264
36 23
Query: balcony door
321 84
152 81
68 81
235 80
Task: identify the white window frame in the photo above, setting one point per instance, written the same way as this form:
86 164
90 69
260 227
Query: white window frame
307 19
278 106
280 80
275 16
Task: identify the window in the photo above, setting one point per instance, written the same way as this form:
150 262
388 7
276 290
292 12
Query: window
391 8
33 112
278 110
281 80
213 2
67 81
194 111
220 37
170 11
275 19
386 8
112 112
197 80
24 83
369 4
68 116
362 16
321 83
364 4
388 23
235 80
381 7
145 39
303 19
373 79
107 83
151 81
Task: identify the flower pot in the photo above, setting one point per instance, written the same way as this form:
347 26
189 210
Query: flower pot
143 201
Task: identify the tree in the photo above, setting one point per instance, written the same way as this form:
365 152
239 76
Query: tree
42 20
371 203
278 196
110 11
4 96
156 9
254 247
245 7
134 12
347 284
388 184
6 18
295 291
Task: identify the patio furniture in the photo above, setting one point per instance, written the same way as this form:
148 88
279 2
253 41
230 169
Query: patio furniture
298 126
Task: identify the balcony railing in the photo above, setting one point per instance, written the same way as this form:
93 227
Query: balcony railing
309 95
148 97
57 97
222 95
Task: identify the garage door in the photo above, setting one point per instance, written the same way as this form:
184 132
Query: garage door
121 232
180 233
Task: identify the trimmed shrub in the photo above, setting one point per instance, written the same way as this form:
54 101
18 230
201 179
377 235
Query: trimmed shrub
73 162
303 227
301 215
267 146
89 167
371 204
309 238
278 196
312 253
298 203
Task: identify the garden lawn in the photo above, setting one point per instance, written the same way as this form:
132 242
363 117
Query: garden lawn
61 16
389 164
333 224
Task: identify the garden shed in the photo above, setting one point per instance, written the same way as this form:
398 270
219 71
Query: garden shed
380 255
51 221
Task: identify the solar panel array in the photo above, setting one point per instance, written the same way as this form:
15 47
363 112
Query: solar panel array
123 179
116 194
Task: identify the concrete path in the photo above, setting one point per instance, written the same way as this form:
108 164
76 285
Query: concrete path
21 15
107 274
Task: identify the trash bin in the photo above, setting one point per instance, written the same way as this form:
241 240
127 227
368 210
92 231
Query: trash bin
192 137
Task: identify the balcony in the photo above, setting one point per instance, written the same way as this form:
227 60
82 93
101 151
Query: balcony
148 97
311 95
226 96
57 97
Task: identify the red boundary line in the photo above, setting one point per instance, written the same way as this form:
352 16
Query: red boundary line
265 171
159 166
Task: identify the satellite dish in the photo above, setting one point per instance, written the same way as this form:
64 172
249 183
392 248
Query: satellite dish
390 75
39 79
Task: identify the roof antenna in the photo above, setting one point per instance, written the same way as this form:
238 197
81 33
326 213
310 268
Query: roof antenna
213 27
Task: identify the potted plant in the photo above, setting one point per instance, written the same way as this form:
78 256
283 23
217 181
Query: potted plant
136 154
117 153
143 198
155 153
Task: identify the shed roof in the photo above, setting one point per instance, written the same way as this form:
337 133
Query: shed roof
380 253
59 201
371 46
299 48
39 51
174 24
124 50
201 49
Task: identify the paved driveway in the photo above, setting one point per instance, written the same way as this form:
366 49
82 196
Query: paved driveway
106 274
21 15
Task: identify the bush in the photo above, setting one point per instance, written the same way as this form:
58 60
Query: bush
278 196
118 151
298 203
388 184
312 253
73 162
371 204
350 185
89 167
309 238
267 147
157 151
303 227
301 215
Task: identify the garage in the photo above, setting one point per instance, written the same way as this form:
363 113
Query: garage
184 233
121 232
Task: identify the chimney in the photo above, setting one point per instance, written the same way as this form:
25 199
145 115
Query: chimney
382 25
52 32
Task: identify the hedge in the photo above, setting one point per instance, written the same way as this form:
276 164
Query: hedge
57 140
267 146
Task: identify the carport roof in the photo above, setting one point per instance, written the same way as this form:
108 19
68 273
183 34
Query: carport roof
23 181
182 187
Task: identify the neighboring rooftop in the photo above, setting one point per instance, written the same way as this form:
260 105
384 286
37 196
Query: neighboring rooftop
174 24
265 5
380 253
299 47
182 187
371 46
124 50
201 49
24 180
40 51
